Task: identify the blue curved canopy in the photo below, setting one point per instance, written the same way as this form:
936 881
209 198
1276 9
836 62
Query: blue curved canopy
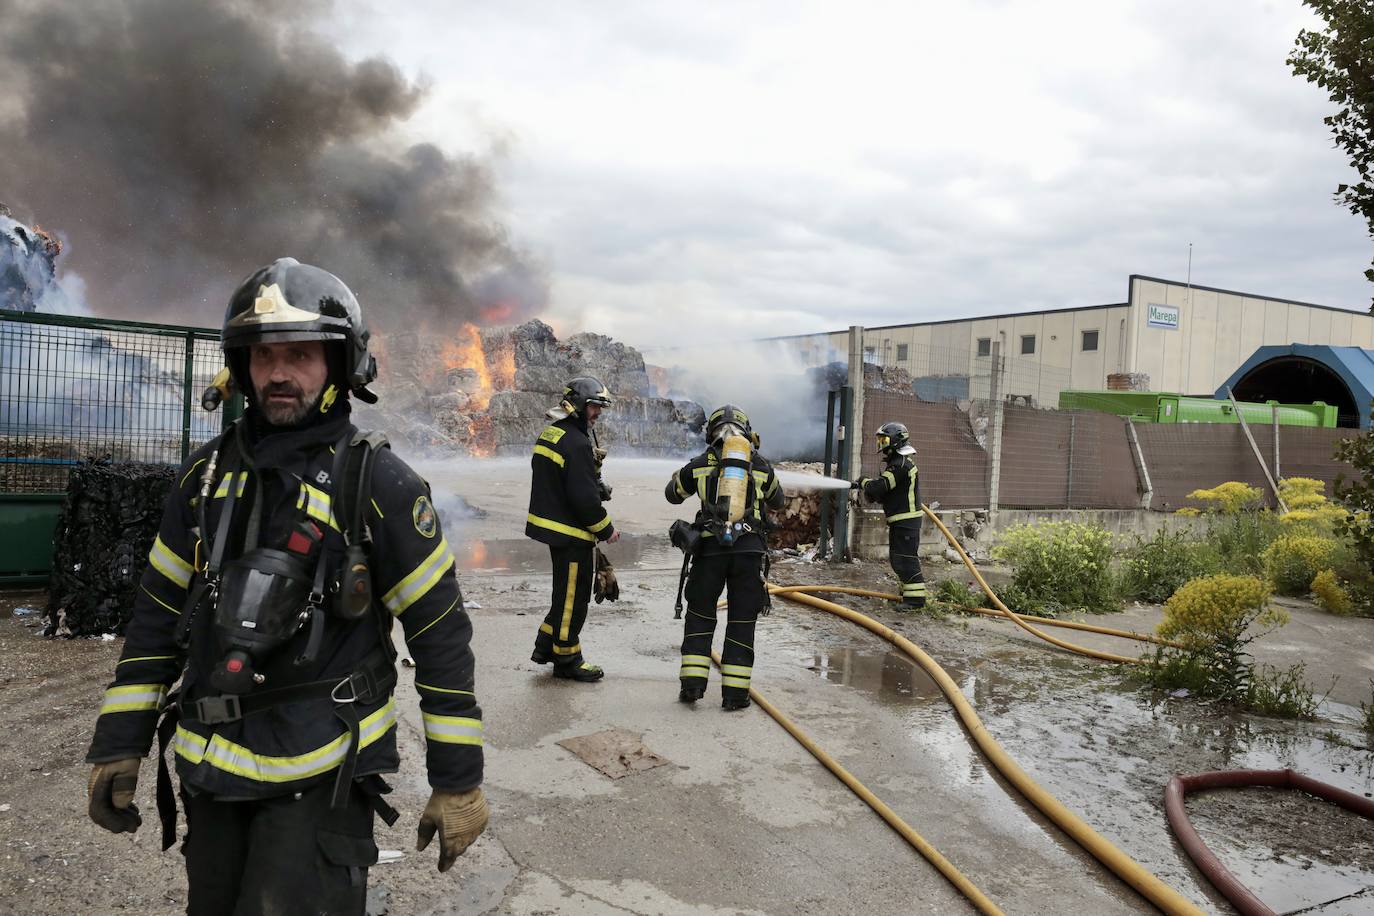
1354 366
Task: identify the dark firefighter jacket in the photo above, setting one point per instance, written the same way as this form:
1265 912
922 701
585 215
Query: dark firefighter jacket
292 745
898 488
700 477
565 502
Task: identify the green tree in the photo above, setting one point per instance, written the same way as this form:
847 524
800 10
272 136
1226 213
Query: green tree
1340 59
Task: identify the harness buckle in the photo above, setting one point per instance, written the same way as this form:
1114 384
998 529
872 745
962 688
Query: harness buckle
362 688
218 710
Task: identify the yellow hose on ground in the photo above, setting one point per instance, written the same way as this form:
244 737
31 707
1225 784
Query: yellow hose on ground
1012 615
945 867
1123 866
989 612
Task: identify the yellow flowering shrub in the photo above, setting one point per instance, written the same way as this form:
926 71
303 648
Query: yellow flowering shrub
1308 506
1330 594
1188 510
1295 558
1217 608
1229 498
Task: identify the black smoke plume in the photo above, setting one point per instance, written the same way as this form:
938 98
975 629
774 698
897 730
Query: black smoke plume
179 144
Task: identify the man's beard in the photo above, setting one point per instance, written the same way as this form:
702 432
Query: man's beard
281 413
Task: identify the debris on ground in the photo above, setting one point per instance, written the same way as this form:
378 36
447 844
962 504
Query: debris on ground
614 752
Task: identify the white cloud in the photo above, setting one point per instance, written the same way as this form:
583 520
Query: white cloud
768 167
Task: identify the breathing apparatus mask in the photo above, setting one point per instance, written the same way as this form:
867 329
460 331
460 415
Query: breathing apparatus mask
265 597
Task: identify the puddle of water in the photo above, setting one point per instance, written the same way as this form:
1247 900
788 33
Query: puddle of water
523 555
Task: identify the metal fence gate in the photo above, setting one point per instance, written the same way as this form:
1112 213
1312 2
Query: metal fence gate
75 388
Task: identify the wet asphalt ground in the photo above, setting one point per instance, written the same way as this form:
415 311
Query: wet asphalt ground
742 819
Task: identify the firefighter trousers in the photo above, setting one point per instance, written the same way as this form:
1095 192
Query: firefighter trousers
283 855
740 576
903 545
559 634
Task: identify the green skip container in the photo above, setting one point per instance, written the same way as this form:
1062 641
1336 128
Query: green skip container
1166 407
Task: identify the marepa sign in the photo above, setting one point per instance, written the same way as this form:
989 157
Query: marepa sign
1162 316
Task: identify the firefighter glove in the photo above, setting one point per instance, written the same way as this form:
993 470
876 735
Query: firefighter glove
855 484
111 793
605 588
603 492
458 817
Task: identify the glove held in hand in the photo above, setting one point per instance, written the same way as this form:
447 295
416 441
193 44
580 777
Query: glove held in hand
458 817
111 795
605 586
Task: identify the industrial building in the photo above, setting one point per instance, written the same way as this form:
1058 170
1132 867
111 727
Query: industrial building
1172 336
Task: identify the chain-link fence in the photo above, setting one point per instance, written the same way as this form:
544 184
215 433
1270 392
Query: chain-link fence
988 433
76 388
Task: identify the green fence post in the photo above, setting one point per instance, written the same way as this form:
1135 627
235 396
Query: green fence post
186 396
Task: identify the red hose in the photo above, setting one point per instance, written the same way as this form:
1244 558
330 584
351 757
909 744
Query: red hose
1240 896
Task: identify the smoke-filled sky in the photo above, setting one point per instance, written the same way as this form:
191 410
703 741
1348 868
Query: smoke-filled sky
178 144
681 172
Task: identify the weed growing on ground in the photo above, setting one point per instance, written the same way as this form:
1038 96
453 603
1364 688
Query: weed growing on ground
958 594
1212 617
1282 692
1060 565
1368 710
1154 569
1237 542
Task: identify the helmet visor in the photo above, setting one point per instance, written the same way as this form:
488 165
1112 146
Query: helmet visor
884 440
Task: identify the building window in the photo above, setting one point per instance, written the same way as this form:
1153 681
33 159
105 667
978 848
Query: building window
870 354
1027 344
985 346
1089 341
901 353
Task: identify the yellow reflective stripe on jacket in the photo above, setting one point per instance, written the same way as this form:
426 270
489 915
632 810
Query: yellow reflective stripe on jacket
903 516
552 434
416 585
240 477
317 505
677 483
134 698
453 729
891 479
145 658
191 470
561 528
241 761
165 561
549 454
601 525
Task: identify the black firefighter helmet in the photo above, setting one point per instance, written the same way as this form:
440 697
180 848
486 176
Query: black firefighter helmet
584 390
290 301
723 415
893 438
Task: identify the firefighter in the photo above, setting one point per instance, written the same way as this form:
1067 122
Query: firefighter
735 485
898 488
566 493
287 547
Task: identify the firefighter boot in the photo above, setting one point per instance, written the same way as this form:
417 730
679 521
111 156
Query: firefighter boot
734 699
691 692
581 671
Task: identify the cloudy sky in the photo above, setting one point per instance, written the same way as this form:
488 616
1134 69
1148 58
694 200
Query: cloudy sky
776 166
675 173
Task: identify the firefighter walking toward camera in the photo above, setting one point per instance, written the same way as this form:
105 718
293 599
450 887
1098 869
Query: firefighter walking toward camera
287 548
566 513
736 485
898 488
